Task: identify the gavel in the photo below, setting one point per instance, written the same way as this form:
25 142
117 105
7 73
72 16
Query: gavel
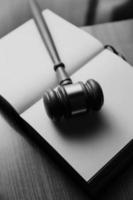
68 98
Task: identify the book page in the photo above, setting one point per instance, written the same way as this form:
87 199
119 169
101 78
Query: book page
88 142
26 69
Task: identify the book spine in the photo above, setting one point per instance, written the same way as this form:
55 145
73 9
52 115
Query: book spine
113 49
111 170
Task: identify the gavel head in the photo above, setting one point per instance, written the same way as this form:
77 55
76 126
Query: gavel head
71 99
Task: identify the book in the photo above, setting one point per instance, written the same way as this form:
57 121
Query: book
25 58
95 146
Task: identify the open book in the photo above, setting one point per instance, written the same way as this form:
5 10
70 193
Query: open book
27 69
94 146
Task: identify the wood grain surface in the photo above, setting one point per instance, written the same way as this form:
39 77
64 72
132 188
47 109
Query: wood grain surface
26 170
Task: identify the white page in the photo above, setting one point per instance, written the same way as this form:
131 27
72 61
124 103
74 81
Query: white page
101 136
26 69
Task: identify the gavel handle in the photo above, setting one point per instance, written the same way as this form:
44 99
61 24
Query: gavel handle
41 23
44 32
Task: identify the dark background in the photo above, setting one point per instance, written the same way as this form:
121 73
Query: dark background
80 12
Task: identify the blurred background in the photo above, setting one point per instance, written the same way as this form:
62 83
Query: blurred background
80 12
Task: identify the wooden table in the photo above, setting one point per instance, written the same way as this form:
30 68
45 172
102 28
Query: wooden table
118 34
28 173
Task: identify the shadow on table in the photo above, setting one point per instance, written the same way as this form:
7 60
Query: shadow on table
124 11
